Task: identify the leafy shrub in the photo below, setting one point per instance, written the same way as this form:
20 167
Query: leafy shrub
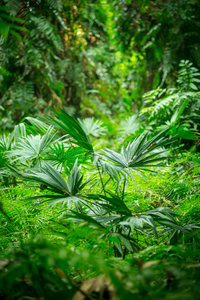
178 107
107 209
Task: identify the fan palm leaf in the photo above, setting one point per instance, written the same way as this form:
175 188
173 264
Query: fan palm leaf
136 157
34 147
124 223
50 179
74 129
92 127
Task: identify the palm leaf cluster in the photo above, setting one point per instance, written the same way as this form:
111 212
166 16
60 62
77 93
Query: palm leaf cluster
137 157
107 210
34 147
121 226
50 179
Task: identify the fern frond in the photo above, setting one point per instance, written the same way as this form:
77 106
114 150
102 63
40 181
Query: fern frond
58 4
45 27
13 5
23 92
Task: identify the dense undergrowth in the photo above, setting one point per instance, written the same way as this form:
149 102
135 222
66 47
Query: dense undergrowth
124 224
106 206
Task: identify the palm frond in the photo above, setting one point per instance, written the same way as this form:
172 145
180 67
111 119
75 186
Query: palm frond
47 176
33 147
37 125
111 203
136 157
74 129
19 132
50 179
114 171
92 127
130 125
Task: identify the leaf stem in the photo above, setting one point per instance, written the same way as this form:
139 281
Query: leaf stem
101 179
123 189
125 249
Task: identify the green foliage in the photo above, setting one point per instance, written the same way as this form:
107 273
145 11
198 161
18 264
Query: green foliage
162 32
164 275
98 57
61 55
93 127
74 128
9 24
107 211
137 156
187 76
179 107
74 170
131 126
51 179
33 147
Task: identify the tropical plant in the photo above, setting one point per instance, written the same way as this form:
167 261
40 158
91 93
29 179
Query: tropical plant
107 211
7 143
93 127
138 157
131 126
179 107
34 148
10 24
50 179
162 33
188 76
74 129
87 177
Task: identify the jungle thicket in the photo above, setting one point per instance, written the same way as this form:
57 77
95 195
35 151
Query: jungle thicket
99 149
